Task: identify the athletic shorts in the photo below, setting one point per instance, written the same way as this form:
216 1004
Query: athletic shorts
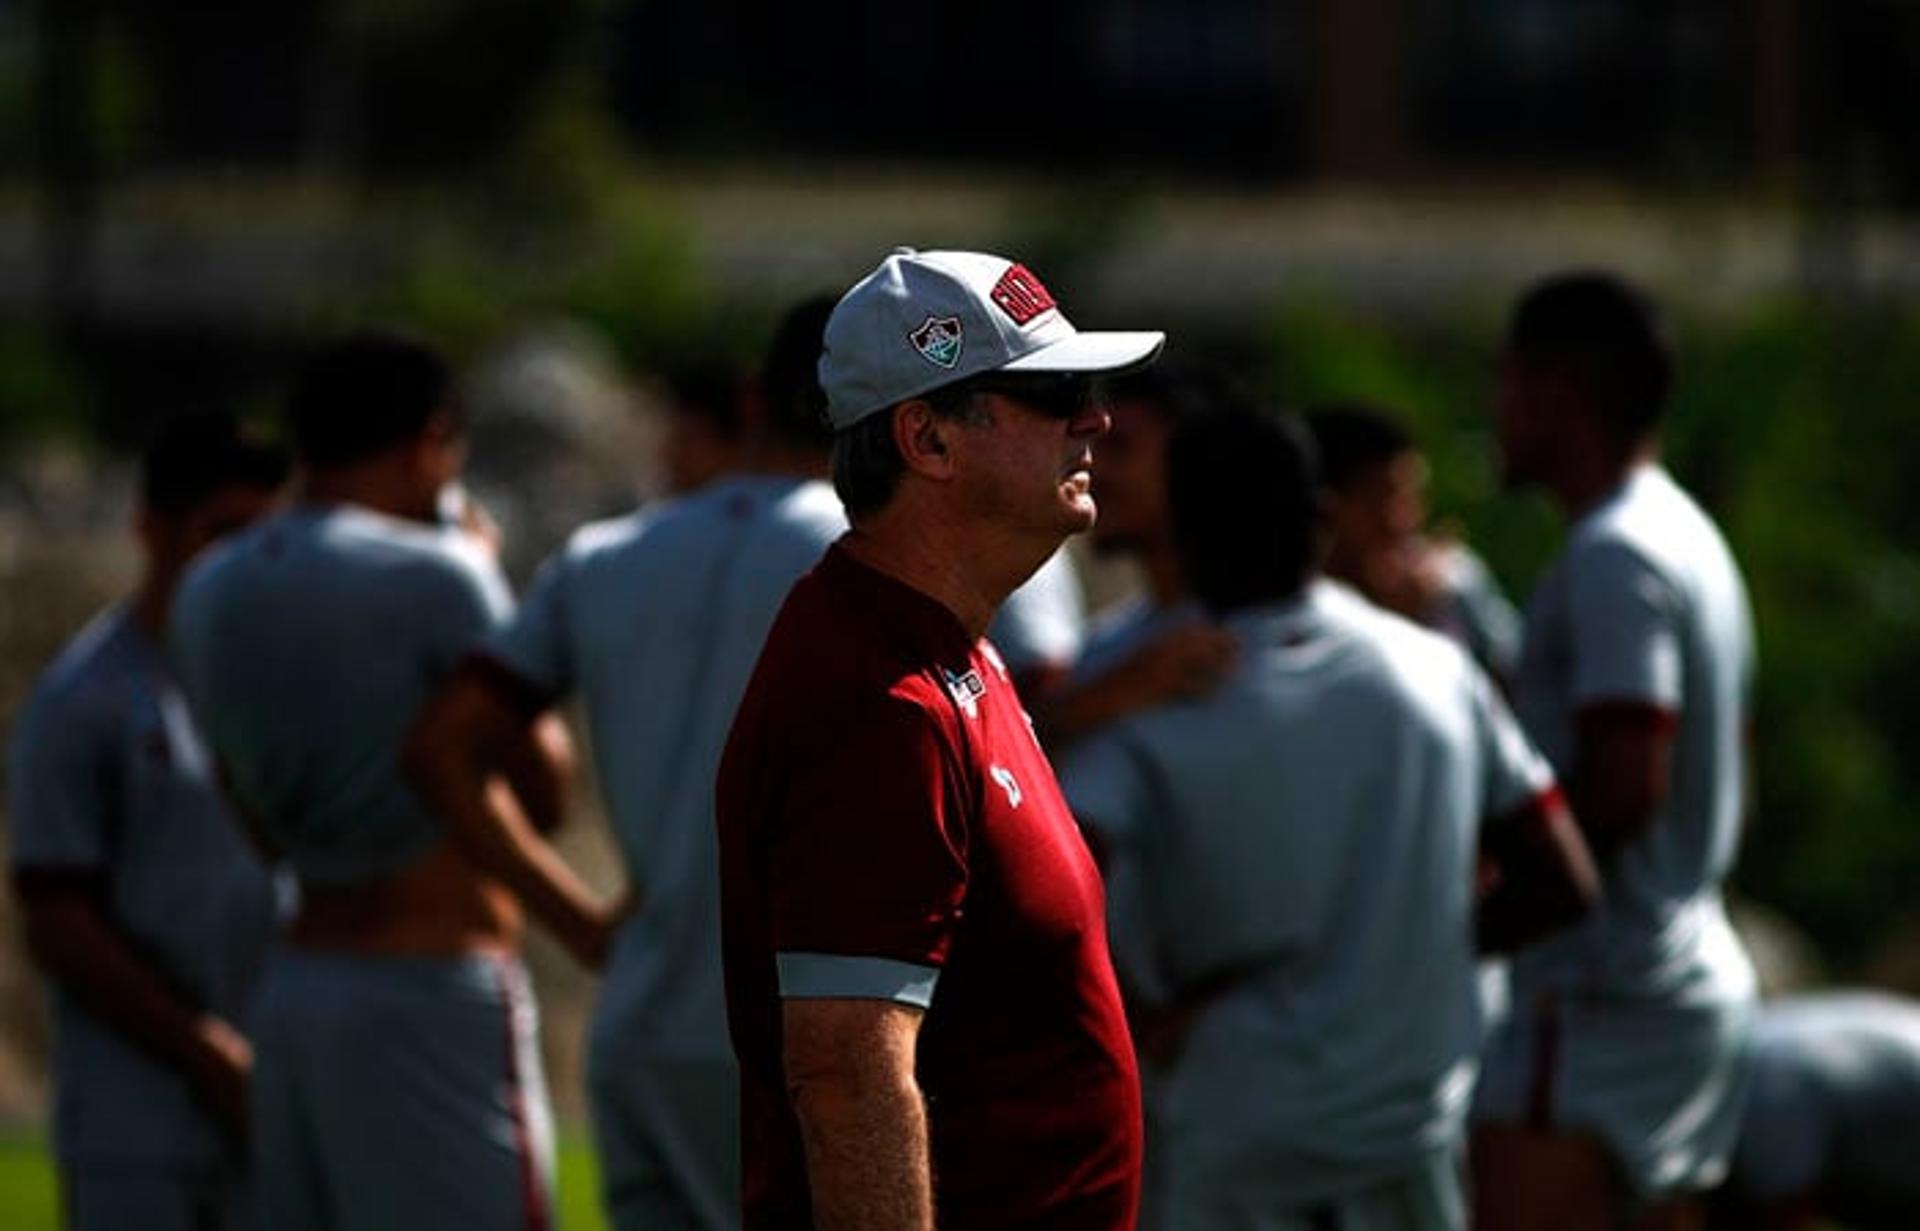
1427 1196
102 1196
1660 1085
399 1092
667 1132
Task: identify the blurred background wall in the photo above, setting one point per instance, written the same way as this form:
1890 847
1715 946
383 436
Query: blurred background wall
1336 197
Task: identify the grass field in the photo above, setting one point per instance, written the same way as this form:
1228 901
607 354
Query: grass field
29 1199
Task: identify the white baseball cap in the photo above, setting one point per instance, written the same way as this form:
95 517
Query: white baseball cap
927 319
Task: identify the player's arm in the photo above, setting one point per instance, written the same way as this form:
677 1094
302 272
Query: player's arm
1537 875
1187 661
1628 685
849 1069
466 751
1623 765
72 939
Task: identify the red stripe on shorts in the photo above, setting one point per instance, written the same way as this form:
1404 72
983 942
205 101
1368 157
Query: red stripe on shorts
535 1215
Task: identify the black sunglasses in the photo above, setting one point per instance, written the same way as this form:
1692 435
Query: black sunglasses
1057 395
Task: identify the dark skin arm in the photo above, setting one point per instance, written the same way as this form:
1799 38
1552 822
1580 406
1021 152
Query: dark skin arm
74 942
468 754
1622 772
1536 876
1183 662
850 1076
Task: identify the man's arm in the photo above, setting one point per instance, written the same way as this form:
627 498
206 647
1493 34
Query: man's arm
1537 874
849 1067
457 755
1622 771
1188 661
72 940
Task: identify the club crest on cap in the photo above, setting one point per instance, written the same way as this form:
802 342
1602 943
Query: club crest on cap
938 340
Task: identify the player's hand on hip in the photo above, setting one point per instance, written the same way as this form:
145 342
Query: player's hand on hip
1189 661
221 1069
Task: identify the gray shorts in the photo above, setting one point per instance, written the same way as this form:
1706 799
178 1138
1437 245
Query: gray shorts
396 1092
667 1132
1428 1196
100 1196
1660 1085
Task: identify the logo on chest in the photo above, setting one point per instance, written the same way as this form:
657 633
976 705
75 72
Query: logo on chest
966 688
1008 783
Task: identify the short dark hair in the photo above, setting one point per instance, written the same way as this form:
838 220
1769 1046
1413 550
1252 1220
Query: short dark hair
1177 390
192 458
358 396
1352 438
1606 335
707 390
796 405
1243 487
866 462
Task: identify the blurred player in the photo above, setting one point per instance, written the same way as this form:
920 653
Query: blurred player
706 435
1612 1092
1039 629
1159 645
1831 1129
655 620
398 1082
142 901
1293 872
1376 484
917 977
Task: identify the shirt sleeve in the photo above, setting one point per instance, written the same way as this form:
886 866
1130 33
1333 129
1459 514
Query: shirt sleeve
469 600
868 862
1515 774
1111 798
61 788
1626 630
533 644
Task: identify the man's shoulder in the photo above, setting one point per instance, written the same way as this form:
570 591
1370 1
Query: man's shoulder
85 684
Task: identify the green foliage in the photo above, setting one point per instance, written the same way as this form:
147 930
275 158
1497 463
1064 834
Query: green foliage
29 1191
469 279
1793 424
41 395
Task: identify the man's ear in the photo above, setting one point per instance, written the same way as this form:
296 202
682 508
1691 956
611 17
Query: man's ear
924 439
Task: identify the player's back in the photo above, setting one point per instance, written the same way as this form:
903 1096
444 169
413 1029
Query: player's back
1302 842
1833 1106
306 645
1646 606
659 618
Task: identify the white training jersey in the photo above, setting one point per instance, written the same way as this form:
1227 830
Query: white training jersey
1646 607
108 778
1833 1104
306 644
655 621
1041 624
1307 835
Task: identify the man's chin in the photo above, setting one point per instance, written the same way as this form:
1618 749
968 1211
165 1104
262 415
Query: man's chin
1081 514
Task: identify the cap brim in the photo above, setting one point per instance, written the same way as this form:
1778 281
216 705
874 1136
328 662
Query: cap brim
1093 352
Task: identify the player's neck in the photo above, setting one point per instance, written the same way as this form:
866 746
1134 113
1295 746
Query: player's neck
383 484
1590 478
152 601
776 462
1166 585
966 577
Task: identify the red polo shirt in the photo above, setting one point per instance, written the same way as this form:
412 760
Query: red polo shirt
889 824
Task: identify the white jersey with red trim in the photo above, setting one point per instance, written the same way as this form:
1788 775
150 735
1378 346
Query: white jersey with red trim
1646 608
1297 852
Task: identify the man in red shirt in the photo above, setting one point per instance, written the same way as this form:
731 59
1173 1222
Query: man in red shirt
917 974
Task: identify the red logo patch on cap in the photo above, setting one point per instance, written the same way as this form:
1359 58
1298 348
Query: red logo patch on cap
1021 295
